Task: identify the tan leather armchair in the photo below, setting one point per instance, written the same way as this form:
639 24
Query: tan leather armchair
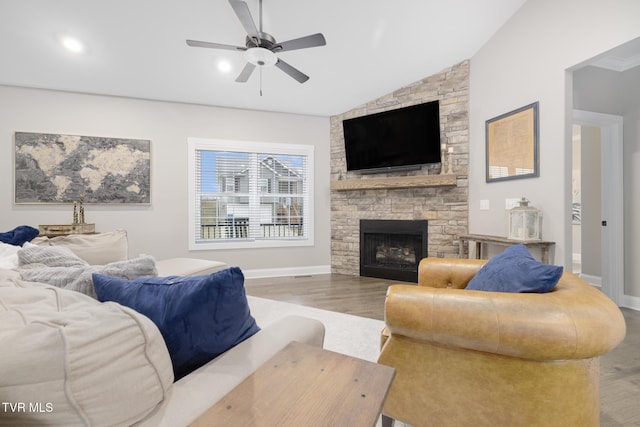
476 358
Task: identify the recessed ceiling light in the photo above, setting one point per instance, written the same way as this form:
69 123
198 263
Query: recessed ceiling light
224 66
72 44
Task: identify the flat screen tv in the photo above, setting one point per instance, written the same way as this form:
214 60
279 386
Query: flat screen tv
391 140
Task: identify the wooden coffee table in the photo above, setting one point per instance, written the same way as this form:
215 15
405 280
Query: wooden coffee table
306 386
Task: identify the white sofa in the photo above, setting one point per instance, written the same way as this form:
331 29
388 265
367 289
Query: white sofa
71 360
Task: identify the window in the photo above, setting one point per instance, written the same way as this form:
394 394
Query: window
249 194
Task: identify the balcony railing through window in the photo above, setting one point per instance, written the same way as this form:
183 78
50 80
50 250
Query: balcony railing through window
238 228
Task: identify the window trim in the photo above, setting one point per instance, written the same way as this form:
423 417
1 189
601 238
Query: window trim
194 144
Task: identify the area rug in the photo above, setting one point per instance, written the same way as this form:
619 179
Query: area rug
344 333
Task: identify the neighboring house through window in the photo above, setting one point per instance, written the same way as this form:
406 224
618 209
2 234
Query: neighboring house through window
249 194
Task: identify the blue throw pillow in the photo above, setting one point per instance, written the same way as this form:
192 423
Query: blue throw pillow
19 235
515 270
199 317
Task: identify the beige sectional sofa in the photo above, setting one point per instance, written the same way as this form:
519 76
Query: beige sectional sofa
112 246
69 359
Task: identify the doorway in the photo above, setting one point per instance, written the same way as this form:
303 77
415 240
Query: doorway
598 200
586 212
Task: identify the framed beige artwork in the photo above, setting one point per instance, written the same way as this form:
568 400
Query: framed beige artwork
512 144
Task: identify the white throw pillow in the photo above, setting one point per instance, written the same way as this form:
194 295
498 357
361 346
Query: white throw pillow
96 249
8 255
74 361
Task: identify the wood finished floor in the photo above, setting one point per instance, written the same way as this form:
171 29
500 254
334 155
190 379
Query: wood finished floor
360 296
363 296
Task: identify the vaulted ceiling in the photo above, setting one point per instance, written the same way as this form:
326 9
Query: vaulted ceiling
136 48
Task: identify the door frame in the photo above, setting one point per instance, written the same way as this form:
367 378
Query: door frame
612 198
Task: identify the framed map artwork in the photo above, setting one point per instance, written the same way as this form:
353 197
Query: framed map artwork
55 168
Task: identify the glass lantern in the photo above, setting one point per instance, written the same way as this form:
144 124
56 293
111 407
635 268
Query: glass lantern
525 222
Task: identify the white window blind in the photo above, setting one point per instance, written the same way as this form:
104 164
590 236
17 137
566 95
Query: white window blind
247 194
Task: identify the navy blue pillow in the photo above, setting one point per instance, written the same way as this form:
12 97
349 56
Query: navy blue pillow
19 235
199 317
515 270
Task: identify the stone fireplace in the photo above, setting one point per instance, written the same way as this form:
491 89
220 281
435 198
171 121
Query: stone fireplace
392 249
441 201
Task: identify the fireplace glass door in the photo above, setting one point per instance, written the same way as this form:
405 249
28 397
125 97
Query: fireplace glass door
392 249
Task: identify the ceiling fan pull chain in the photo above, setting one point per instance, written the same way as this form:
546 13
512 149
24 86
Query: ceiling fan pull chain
260 74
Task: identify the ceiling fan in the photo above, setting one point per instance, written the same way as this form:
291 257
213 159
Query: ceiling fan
261 48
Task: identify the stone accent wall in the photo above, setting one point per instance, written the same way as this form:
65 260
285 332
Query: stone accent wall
446 208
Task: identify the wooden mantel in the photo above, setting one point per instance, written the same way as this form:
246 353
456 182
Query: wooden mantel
394 182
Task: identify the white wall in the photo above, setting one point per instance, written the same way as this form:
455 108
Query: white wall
527 61
632 184
161 228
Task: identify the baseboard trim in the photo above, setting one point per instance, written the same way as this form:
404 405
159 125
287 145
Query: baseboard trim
629 301
594 280
289 271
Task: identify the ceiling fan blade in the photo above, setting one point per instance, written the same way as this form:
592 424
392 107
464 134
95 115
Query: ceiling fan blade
244 15
246 73
301 43
196 43
291 71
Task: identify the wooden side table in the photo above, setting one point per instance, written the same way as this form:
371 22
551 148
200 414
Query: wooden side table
304 385
502 241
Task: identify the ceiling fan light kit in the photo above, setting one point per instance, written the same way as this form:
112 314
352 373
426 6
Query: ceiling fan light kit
261 48
260 57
